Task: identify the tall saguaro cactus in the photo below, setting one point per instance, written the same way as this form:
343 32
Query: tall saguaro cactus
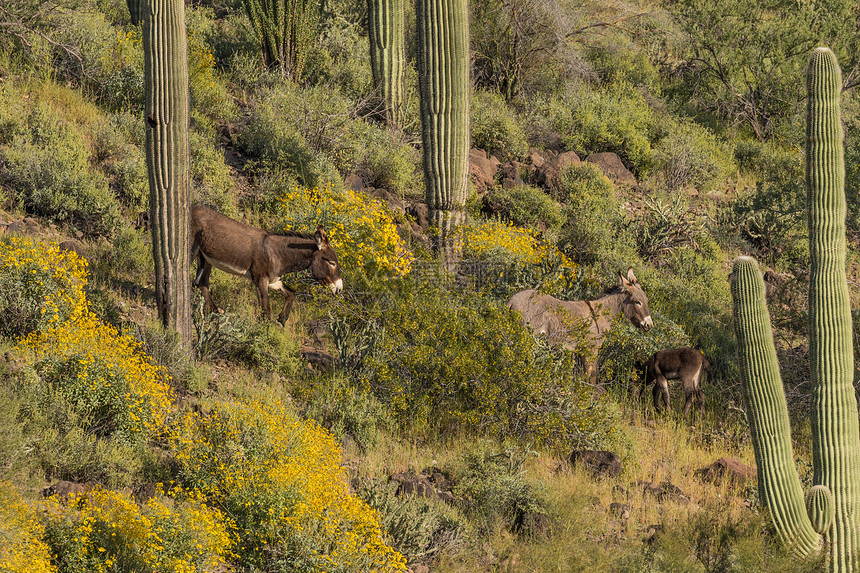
443 76
167 120
386 22
832 506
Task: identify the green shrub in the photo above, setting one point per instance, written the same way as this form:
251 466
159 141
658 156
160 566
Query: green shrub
689 155
495 127
771 216
341 62
617 118
299 131
527 206
666 223
348 412
496 492
616 64
211 180
387 162
441 360
417 527
594 231
48 169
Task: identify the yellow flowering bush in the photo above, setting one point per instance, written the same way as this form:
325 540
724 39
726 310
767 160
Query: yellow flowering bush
113 386
281 480
39 285
104 530
21 547
106 378
361 228
498 240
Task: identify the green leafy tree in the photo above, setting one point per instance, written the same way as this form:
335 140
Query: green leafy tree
742 58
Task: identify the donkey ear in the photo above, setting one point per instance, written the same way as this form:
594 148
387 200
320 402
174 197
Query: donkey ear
631 277
321 237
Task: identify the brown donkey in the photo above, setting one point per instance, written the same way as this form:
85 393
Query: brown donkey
219 241
559 319
685 364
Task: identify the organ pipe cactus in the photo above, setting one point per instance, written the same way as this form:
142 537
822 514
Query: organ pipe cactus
386 24
831 506
443 77
167 121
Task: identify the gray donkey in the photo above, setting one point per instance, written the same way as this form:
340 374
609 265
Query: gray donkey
560 320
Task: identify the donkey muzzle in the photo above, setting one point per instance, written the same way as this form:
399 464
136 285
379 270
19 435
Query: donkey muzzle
647 323
336 286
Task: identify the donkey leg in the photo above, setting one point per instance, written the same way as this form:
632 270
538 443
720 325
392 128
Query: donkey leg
201 281
263 296
289 297
688 401
701 399
661 394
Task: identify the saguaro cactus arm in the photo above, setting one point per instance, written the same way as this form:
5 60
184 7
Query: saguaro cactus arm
386 22
767 412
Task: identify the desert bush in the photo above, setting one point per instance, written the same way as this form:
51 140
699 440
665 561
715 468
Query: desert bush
270 348
616 118
664 224
496 492
616 64
39 285
281 481
444 361
595 228
22 549
361 228
301 131
104 530
348 412
771 216
689 155
495 127
48 168
118 148
340 61
88 365
209 97
103 376
527 206
388 162
211 181
417 527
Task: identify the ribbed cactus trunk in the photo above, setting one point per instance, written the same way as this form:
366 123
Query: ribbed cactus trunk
386 22
134 10
443 77
167 120
835 428
831 505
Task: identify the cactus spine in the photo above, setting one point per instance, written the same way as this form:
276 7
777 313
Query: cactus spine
386 24
443 77
832 504
167 121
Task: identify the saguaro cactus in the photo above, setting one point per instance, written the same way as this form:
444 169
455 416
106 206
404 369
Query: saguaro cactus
831 506
167 117
443 76
385 25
